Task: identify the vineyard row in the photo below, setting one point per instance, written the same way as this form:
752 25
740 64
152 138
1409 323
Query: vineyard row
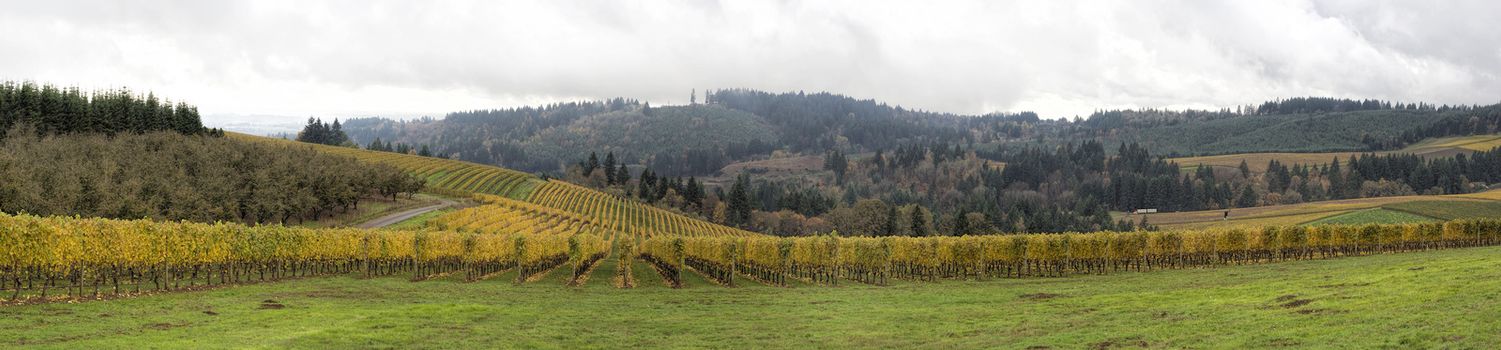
828 259
90 257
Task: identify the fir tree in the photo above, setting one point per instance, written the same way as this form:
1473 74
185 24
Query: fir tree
919 222
608 166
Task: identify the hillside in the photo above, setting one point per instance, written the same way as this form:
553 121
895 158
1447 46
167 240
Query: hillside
695 139
1430 148
610 213
667 133
1433 208
1343 131
442 175
1434 299
745 125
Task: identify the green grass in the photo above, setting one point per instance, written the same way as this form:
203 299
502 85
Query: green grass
1371 216
420 221
371 209
1436 299
1450 210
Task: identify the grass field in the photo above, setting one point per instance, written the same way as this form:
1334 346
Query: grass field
1434 299
1372 216
1473 143
372 208
1257 162
420 221
1449 210
1470 205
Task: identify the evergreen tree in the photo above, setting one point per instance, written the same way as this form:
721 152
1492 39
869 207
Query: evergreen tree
316 131
1353 182
424 151
835 161
693 193
591 164
608 166
1247 198
336 134
623 176
644 186
919 222
1336 180
740 202
889 227
961 223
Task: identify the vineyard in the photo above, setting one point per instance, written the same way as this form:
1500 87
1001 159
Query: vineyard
532 227
828 260
77 257
624 215
600 212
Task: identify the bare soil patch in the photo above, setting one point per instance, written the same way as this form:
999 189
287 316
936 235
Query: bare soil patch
1039 296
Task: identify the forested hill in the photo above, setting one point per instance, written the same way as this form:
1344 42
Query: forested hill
727 126
1293 125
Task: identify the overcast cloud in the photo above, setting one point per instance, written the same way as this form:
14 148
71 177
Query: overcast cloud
1059 58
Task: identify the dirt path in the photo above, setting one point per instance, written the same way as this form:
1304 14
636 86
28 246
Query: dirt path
399 217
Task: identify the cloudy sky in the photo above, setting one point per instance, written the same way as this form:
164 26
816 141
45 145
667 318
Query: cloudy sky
257 60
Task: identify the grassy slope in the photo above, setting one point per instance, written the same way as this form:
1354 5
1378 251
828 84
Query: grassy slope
1372 216
1293 214
420 221
1257 161
1449 210
1415 300
373 208
1473 143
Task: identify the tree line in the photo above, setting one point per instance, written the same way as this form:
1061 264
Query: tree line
50 109
316 131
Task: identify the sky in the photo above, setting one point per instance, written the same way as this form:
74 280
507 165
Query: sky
247 63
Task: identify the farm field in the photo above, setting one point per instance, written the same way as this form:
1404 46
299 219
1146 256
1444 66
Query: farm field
1449 210
1257 162
1371 216
1409 300
776 165
1471 205
1471 143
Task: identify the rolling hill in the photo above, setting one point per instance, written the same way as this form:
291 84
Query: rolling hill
1342 131
1348 211
612 214
746 125
1431 148
638 134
